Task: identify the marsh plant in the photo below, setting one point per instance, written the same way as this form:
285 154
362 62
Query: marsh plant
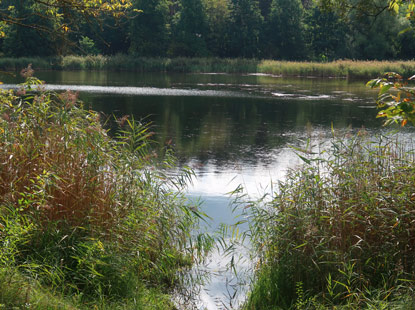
339 232
91 216
350 69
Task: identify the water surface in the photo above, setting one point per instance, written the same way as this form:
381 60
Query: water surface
231 129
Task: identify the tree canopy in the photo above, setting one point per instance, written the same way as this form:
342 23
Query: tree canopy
319 30
369 7
61 15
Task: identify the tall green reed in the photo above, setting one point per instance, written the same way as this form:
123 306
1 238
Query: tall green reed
86 213
341 68
341 225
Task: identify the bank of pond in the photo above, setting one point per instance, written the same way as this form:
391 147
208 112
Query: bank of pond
340 69
92 218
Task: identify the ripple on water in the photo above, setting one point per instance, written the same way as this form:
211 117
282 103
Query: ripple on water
142 91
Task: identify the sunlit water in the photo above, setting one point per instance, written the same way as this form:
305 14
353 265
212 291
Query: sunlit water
232 130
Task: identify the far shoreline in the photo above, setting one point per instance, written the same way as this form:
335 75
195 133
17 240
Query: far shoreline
349 69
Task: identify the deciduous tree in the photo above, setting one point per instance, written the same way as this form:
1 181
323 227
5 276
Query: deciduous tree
27 41
245 28
284 30
326 35
149 33
218 17
189 30
64 13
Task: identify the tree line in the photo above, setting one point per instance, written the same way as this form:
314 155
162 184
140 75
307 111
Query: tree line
267 29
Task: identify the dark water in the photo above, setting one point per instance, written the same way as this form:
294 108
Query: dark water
221 119
231 129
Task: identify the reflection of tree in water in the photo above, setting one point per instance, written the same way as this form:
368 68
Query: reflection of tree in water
229 129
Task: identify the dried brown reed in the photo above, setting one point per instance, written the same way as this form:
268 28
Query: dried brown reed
91 214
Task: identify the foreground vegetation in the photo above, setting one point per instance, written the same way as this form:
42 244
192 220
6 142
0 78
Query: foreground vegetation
340 68
339 232
87 219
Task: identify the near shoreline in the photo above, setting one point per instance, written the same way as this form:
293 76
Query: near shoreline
351 69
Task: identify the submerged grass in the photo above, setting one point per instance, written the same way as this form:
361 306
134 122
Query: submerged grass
340 68
339 233
86 220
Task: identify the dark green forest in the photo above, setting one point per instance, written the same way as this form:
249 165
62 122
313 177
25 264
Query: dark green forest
264 29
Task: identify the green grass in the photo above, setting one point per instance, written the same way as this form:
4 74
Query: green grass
18 292
339 232
341 68
88 219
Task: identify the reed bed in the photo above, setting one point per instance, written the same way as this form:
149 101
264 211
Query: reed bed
90 218
339 232
341 68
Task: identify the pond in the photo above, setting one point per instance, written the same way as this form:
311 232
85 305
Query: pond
230 129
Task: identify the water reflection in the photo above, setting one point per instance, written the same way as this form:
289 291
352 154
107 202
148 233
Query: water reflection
231 129
226 129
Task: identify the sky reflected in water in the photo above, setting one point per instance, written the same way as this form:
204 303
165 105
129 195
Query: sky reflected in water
233 130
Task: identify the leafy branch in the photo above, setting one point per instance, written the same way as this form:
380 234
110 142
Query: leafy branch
396 98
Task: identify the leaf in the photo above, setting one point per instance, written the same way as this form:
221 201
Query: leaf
384 88
398 97
301 245
307 161
302 150
374 83
404 31
394 6
404 122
